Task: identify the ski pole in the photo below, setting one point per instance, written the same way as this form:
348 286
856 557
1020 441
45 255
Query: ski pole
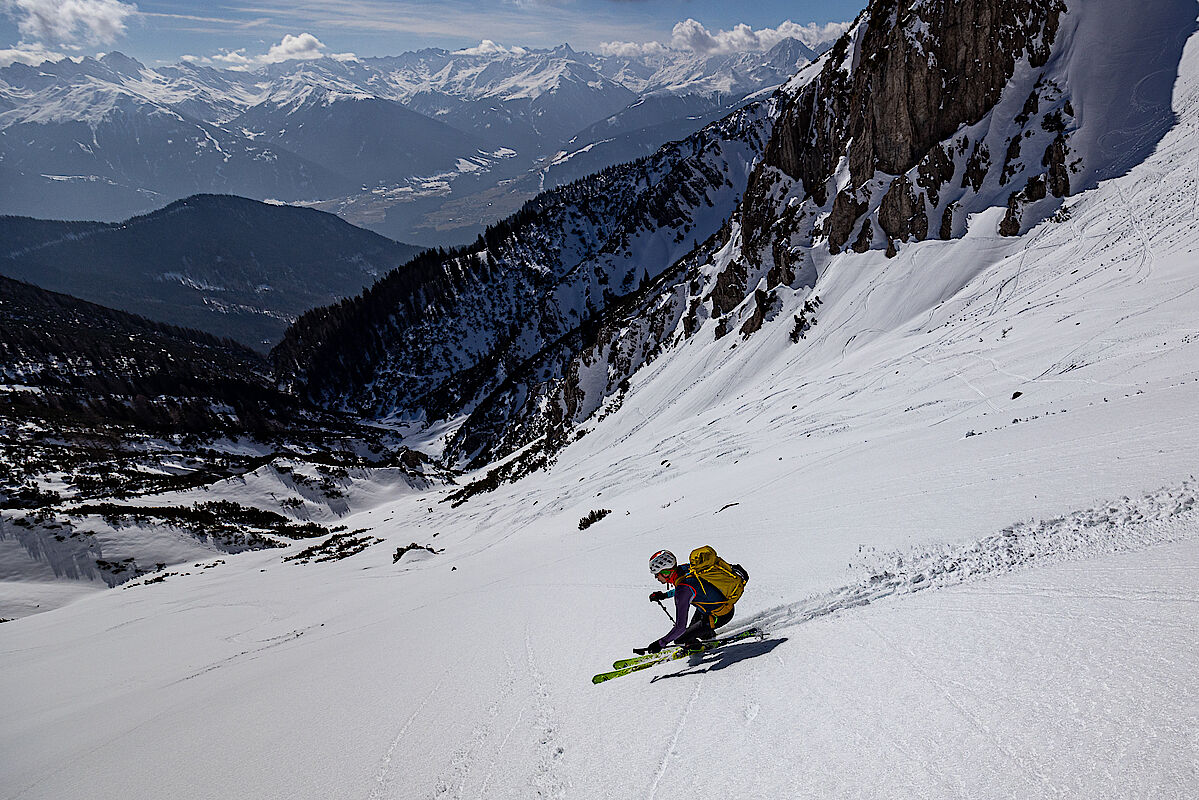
664 611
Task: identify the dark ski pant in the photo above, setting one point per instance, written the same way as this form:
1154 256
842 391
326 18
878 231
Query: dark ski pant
703 625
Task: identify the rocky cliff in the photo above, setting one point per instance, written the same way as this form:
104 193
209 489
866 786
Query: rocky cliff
899 131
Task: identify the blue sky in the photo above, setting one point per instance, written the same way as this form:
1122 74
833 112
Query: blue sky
237 33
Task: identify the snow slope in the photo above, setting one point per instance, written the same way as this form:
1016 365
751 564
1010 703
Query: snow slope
966 502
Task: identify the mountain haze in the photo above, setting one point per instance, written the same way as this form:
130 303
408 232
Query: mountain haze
356 136
420 146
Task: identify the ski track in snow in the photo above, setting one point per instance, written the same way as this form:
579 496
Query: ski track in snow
1117 526
268 644
383 777
674 739
545 778
486 756
486 786
467 755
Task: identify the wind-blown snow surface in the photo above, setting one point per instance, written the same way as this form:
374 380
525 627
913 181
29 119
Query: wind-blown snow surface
969 593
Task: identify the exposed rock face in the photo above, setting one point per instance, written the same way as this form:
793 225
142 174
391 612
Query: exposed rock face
946 231
729 289
901 214
865 236
898 96
784 269
761 306
1033 191
976 167
846 210
935 171
1055 161
1011 220
922 70
1010 159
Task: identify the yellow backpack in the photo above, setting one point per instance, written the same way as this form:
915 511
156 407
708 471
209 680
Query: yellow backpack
729 578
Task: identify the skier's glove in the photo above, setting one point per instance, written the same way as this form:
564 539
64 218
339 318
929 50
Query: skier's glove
657 597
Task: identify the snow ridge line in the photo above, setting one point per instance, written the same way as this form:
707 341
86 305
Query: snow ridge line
1118 526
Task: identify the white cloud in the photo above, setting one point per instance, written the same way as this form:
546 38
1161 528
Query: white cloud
810 34
31 54
632 49
66 22
225 58
304 47
489 48
692 35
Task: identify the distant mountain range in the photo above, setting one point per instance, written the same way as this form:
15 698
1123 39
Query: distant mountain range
229 266
428 146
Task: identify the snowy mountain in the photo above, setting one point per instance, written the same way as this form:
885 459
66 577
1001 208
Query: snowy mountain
424 140
230 266
959 469
832 163
671 72
440 337
91 141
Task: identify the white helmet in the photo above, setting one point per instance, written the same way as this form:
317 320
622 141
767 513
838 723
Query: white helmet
661 561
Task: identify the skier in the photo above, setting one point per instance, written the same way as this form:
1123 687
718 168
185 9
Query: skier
707 582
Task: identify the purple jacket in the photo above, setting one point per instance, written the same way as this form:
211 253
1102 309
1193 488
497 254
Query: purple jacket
683 594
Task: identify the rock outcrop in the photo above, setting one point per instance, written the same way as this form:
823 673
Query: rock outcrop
899 96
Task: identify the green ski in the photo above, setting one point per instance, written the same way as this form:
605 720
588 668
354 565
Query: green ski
655 657
630 665
658 658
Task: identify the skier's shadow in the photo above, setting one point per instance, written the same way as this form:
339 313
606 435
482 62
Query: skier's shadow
723 658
